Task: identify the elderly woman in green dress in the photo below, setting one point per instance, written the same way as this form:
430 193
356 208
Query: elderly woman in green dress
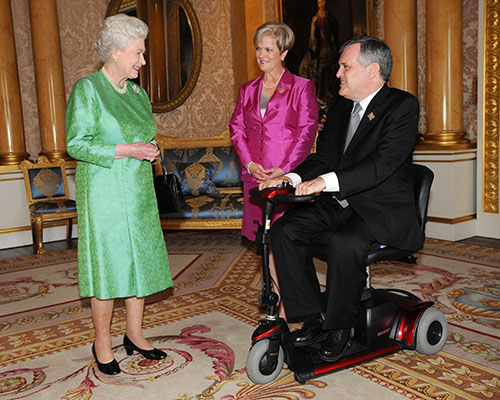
110 132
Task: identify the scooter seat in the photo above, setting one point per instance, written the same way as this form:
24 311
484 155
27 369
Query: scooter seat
377 252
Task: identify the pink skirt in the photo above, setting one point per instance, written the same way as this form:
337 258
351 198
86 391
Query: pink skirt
252 212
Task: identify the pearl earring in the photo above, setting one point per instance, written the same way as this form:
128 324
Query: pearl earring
115 60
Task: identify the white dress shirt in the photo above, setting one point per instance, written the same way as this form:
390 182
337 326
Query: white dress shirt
330 178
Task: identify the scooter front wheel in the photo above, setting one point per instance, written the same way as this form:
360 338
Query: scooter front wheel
432 332
261 367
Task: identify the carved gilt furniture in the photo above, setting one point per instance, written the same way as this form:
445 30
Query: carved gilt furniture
48 197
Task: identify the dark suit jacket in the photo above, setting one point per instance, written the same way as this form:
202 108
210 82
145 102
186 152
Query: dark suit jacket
374 172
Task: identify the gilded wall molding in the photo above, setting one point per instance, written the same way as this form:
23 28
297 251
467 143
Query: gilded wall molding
451 221
371 15
491 105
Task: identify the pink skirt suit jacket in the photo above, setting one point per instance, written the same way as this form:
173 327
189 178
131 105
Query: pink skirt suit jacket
282 138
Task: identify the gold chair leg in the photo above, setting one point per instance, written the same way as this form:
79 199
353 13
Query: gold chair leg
69 229
39 235
33 234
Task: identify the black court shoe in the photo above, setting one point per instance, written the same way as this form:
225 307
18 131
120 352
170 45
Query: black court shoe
311 331
334 345
153 354
111 368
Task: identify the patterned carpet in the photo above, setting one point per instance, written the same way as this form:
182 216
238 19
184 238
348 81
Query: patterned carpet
205 323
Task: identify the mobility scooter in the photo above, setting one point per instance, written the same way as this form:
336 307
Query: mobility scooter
389 320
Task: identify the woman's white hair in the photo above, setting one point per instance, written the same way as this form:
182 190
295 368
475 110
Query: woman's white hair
116 32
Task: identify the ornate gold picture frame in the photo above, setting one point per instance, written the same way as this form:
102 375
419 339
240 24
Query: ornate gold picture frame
491 106
321 27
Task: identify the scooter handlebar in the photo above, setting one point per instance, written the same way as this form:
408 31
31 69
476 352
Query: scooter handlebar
281 194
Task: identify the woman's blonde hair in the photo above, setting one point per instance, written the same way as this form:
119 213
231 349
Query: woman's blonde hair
281 32
116 32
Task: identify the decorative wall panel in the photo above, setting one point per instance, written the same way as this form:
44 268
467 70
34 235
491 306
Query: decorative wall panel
470 65
207 110
79 23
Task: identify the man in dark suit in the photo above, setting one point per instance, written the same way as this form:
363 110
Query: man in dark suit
368 197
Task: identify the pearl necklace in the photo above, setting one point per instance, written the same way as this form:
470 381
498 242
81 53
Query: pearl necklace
119 89
277 81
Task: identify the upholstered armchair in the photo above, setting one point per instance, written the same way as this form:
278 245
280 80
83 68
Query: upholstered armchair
48 197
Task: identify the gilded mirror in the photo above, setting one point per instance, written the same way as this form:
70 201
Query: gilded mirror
174 48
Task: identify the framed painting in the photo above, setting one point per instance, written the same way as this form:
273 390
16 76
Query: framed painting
320 27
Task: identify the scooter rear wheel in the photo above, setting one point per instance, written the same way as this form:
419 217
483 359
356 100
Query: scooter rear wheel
258 369
432 332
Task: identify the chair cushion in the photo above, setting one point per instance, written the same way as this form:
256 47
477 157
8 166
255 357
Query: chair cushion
216 206
223 159
46 182
53 207
196 178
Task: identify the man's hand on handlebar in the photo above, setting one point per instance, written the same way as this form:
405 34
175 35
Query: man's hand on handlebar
313 186
273 182
316 185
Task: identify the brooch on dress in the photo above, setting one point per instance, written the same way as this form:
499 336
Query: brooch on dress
136 88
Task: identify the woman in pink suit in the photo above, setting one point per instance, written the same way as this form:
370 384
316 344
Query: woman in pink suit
275 120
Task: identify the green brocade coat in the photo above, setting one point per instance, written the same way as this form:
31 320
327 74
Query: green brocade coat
121 248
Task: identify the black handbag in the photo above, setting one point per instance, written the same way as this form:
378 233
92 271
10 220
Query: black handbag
168 191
